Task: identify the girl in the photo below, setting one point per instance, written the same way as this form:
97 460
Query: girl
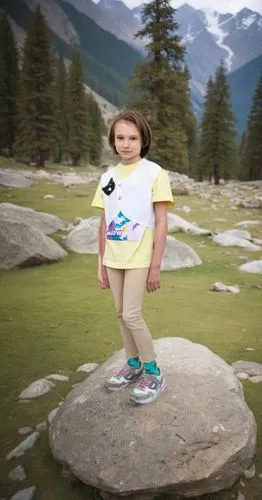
132 235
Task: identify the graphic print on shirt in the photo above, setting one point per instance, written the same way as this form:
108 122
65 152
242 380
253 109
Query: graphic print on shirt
123 229
109 188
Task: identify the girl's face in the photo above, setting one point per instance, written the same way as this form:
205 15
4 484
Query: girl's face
128 142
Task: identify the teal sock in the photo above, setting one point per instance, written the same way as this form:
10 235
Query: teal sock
152 368
135 362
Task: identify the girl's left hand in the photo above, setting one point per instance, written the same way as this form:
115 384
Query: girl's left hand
153 278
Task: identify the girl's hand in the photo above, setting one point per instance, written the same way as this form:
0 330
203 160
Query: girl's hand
153 278
102 277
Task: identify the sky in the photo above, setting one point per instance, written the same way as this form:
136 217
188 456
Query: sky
231 6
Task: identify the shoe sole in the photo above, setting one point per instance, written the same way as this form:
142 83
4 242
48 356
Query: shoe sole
147 401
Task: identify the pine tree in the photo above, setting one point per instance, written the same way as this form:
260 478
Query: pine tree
61 110
252 154
36 110
95 130
77 111
217 151
159 86
9 84
207 139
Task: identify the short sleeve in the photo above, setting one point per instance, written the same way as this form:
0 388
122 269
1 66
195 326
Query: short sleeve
162 189
98 200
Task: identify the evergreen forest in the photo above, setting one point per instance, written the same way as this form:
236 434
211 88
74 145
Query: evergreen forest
47 114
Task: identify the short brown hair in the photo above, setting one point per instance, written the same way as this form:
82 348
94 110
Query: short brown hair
141 123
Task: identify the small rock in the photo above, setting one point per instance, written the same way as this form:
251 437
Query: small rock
23 446
249 349
240 496
25 430
220 287
88 367
256 379
52 415
56 376
49 197
36 389
27 494
17 474
250 473
260 476
42 426
242 375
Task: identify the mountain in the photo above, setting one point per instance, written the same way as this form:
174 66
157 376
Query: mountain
242 84
112 16
108 62
210 36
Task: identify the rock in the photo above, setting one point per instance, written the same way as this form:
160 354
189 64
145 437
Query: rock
249 349
46 223
250 472
42 426
36 389
23 446
88 367
238 233
256 379
260 476
17 474
248 223
110 444
25 430
255 267
176 223
242 376
52 414
220 287
14 179
27 494
49 197
228 240
250 367
240 496
22 245
58 377
251 203
177 255
84 237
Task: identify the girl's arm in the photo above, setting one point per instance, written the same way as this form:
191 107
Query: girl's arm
153 279
102 273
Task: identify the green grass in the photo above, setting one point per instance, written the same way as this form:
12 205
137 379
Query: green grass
54 318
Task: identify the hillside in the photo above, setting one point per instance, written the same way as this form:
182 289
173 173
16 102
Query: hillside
108 62
242 85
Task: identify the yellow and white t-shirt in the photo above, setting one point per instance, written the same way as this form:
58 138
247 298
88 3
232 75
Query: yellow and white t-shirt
133 254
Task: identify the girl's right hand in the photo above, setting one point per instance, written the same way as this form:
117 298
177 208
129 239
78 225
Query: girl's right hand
102 277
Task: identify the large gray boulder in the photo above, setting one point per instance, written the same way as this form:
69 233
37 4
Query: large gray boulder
228 240
178 254
47 223
84 238
23 245
197 438
14 179
176 223
255 267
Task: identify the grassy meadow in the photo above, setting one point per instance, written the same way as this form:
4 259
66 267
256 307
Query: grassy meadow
54 318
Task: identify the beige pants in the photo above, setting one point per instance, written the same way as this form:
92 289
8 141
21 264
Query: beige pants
128 287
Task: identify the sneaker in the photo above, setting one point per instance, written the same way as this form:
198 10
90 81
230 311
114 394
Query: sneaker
127 375
148 388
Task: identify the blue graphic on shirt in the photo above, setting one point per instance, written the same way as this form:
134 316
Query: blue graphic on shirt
123 229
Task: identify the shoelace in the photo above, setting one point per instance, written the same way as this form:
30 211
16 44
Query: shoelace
143 382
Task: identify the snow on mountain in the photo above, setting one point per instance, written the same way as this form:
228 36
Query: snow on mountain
214 26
